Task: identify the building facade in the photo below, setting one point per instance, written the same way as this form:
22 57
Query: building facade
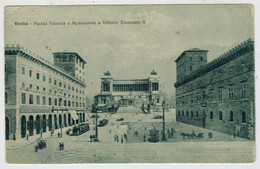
130 92
41 96
218 95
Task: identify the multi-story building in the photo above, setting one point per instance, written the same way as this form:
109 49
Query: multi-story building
130 92
218 95
41 96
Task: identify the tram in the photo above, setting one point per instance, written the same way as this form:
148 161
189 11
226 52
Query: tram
80 129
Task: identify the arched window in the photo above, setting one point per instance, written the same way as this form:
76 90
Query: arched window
220 115
231 116
191 113
187 113
244 117
211 115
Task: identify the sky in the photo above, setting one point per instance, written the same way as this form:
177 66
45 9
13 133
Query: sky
130 50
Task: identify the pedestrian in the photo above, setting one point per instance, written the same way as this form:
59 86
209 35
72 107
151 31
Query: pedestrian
58 134
36 148
117 138
62 146
114 137
122 140
144 138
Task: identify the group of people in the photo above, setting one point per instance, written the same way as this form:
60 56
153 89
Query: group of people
123 137
170 133
61 146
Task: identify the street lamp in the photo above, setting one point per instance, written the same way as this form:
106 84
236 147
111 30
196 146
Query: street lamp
96 128
163 107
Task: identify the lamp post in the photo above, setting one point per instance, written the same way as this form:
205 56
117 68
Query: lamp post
163 107
96 128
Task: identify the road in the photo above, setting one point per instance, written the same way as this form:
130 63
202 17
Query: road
79 149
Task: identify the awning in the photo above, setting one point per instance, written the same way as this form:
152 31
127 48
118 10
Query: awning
73 114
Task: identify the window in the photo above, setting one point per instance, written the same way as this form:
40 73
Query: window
50 80
31 86
220 94
155 86
55 102
244 117
158 100
55 82
197 114
50 101
43 100
187 113
60 84
23 85
44 78
64 85
30 73
211 95
38 75
23 70
191 113
49 90
72 88
30 99
64 103
231 92
179 113
6 97
190 58
211 115
69 103
38 88
231 116
220 115
243 91
191 99
23 98
69 87
201 58
190 68
44 89
38 99
72 103
77 104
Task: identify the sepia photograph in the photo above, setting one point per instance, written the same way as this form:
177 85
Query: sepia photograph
129 84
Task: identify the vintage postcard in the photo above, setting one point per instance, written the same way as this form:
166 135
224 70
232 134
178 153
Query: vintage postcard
129 84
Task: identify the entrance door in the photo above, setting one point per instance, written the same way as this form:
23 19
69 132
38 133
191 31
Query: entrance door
23 126
7 130
203 122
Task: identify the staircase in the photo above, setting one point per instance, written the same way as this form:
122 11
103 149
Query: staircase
129 110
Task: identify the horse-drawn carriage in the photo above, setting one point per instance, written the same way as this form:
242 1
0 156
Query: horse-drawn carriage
192 135
41 144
